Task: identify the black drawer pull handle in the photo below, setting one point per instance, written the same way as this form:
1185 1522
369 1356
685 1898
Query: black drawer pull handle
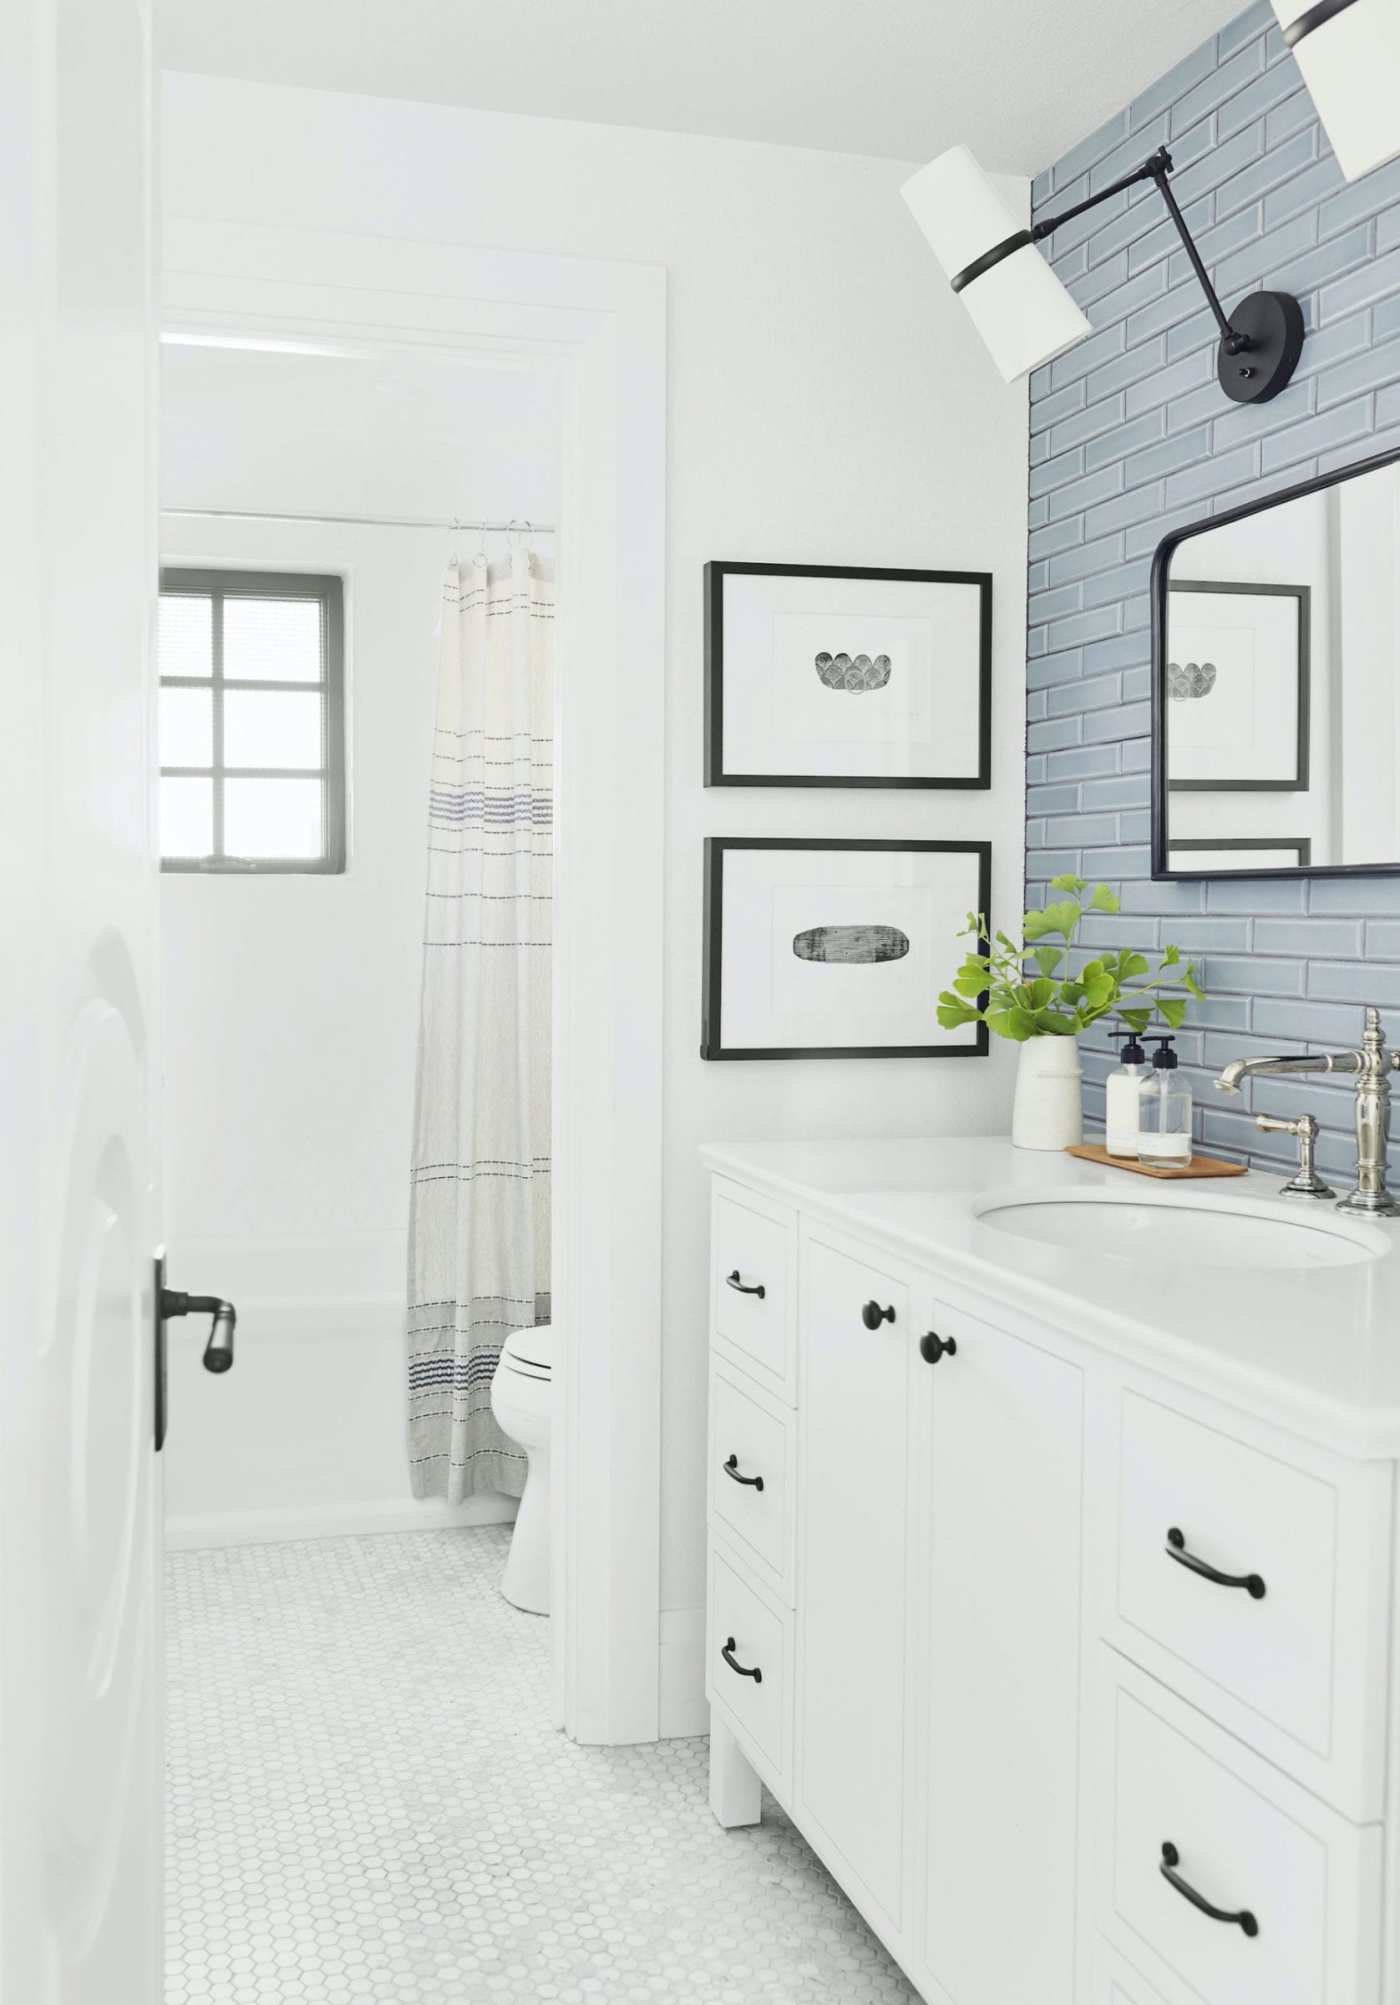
1171 1859
932 1347
733 1662
731 1470
872 1315
742 1288
1252 1583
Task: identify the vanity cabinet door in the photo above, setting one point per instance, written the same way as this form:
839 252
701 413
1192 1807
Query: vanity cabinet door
999 1553
853 1400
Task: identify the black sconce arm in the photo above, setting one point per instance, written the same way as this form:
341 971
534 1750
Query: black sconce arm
1235 343
1157 169
1267 327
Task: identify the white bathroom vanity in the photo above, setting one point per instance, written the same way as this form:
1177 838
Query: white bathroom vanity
1052 1567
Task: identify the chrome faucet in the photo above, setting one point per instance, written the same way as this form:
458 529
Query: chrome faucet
1372 1065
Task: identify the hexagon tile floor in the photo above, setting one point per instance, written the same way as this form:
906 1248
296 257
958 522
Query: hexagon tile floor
367 1806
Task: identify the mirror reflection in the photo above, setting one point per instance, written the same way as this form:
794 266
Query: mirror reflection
1276 648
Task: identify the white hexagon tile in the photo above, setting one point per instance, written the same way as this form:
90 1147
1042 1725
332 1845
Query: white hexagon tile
368 1806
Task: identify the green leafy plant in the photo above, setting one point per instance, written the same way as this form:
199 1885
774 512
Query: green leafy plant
1031 990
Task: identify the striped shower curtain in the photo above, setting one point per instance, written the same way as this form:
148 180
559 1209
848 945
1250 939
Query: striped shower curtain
478 1262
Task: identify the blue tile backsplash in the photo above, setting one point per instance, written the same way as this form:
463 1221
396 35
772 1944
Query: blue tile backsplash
1130 437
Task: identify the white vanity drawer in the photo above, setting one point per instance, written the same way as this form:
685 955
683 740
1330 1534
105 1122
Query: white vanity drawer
1295 1660
1117 1983
1174 1790
747 1635
752 1452
753 1261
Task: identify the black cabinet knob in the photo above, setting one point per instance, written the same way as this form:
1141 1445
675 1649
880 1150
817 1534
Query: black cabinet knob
872 1315
727 1649
731 1470
744 1287
932 1347
1240 1918
1252 1583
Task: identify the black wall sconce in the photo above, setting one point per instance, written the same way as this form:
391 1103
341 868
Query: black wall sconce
1022 310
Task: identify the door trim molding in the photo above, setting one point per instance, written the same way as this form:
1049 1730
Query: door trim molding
603 326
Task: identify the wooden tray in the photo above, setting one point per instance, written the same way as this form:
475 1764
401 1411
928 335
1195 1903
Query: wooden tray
1199 1166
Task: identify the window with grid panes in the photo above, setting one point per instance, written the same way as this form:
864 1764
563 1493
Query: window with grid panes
252 736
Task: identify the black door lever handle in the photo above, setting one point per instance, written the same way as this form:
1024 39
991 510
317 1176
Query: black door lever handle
218 1348
218 1351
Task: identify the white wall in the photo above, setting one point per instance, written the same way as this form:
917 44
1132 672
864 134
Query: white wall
829 403
290 1003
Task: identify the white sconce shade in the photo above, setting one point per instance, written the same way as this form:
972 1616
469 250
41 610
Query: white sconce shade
1349 53
1018 306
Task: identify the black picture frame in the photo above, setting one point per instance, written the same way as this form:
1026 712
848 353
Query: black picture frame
1303 742
1302 844
716 774
1161 579
717 847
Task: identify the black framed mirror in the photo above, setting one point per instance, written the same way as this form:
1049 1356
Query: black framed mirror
1276 684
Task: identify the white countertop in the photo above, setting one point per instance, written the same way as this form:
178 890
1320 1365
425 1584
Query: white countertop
1313 1349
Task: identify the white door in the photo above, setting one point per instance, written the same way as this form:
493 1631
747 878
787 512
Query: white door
852 1759
79 1497
1002 1446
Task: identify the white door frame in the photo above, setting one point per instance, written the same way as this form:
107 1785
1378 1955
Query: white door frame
604 326
80 1494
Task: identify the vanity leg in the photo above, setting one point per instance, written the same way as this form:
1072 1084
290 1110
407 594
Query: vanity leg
735 1791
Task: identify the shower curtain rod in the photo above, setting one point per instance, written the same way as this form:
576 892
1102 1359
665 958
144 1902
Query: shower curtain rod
364 521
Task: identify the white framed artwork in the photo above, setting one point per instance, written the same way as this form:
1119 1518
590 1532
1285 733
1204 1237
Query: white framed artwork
1236 692
818 948
817 676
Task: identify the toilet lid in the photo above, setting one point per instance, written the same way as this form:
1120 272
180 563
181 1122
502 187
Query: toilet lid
530 1352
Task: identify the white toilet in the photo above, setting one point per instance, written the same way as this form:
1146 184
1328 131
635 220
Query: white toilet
522 1399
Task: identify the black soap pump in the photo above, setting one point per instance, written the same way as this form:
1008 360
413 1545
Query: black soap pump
1164 1123
1123 1095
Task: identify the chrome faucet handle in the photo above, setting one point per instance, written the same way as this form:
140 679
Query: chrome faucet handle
1375 1064
1306 1182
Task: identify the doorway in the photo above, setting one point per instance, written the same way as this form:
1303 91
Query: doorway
599 331
297 484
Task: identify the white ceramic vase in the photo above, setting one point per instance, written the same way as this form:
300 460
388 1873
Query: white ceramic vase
1048 1112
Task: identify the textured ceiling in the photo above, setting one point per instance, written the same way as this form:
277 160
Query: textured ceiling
1019 80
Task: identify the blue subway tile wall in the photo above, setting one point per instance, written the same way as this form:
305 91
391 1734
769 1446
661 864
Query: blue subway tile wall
1131 437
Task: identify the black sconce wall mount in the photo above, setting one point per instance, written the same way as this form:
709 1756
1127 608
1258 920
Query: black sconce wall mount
1260 342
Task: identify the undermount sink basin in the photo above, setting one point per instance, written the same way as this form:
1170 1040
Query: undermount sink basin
1172 1230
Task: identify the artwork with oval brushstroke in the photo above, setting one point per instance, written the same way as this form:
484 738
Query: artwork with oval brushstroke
819 676
843 671
856 946
829 946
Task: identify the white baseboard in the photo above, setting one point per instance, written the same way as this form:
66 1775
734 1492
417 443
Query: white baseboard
272 1527
683 1709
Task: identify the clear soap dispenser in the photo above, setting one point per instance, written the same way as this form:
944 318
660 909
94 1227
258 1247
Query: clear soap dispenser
1164 1110
1123 1093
